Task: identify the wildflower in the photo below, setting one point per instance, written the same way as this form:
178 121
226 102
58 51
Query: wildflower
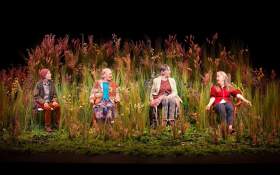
90 131
206 78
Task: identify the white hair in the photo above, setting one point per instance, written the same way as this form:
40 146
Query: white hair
104 71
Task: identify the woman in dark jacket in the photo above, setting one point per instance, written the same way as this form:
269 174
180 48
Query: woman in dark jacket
46 99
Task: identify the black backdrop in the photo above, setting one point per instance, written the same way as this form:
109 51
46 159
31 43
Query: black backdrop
263 46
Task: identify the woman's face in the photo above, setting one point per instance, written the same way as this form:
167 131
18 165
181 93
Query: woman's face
108 75
49 76
167 72
220 79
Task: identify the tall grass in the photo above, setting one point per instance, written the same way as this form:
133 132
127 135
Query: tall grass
76 65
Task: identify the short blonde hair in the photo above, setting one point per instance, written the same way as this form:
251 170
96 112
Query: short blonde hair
163 68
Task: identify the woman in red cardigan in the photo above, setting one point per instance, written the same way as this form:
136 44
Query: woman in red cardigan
220 99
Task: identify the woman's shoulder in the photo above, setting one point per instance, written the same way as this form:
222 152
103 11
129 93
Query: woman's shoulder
215 88
97 83
157 79
172 79
233 89
39 83
114 84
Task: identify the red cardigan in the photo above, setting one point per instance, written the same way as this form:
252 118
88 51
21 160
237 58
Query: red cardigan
223 93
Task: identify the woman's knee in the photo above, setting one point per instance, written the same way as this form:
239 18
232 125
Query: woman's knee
219 107
229 107
164 101
172 100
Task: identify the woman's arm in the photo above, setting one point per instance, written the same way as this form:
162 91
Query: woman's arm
243 99
212 97
174 92
211 101
153 90
91 97
117 99
37 96
94 93
54 94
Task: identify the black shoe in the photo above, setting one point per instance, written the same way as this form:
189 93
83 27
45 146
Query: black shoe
232 131
56 126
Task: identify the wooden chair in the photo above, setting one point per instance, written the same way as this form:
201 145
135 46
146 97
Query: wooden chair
213 121
235 108
155 116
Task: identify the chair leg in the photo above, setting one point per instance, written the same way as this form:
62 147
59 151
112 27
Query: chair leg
154 121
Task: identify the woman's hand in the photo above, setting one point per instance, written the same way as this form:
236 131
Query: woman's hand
211 101
55 104
155 102
244 99
91 101
208 107
98 95
248 102
117 100
47 106
170 96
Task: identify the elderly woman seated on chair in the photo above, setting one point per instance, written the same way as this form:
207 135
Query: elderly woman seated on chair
164 94
104 96
220 99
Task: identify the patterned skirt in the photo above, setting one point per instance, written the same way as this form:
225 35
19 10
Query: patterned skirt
105 110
